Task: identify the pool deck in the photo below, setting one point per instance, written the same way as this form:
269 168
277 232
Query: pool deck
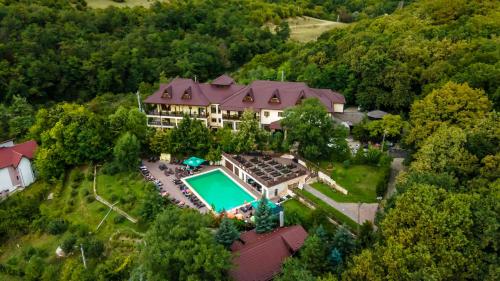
174 192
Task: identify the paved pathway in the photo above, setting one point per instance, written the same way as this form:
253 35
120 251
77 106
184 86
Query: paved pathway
366 210
396 167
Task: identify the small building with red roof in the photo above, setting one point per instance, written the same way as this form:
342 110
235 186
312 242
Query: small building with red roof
259 257
16 169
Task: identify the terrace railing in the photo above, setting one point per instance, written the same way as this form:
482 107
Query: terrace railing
177 114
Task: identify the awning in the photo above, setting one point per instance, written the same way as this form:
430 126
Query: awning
194 161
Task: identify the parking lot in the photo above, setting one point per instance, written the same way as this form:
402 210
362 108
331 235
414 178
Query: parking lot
168 187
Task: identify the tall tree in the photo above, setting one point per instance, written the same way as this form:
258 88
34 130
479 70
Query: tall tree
265 221
190 137
227 233
126 152
21 117
178 246
250 135
311 126
453 104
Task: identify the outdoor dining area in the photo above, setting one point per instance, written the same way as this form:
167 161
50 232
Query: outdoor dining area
269 170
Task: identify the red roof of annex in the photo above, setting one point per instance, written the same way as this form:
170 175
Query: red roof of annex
11 156
260 256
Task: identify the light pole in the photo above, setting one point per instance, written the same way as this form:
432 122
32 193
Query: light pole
383 139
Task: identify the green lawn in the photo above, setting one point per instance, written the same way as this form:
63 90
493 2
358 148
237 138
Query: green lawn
305 216
294 206
359 180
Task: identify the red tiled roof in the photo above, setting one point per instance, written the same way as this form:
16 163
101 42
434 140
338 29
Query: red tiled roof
276 125
231 96
11 156
289 94
223 80
176 89
260 256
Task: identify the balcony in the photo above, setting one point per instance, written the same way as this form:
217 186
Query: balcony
231 117
176 114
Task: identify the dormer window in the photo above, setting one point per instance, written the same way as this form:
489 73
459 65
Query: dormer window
249 96
302 96
167 93
188 94
275 98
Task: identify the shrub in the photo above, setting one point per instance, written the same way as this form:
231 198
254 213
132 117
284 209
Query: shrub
118 219
85 192
89 198
80 230
68 243
346 164
93 247
372 156
74 193
77 176
57 226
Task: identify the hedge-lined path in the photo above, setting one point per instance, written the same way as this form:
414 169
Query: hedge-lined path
367 211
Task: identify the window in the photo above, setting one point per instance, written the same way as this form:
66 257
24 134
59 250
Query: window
275 98
167 93
276 192
187 94
249 96
266 113
280 114
214 120
214 109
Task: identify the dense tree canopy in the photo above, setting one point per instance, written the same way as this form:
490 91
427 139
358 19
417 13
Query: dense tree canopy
179 247
53 50
310 125
390 61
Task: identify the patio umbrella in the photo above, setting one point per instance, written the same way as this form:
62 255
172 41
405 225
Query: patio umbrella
193 161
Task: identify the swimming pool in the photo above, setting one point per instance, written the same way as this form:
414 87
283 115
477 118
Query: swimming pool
218 190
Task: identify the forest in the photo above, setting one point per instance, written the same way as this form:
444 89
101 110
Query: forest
68 78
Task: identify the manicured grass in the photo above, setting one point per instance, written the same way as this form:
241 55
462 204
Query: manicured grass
127 3
332 212
359 180
305 29
307 217
294 206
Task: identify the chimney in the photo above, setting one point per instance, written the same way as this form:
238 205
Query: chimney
282 219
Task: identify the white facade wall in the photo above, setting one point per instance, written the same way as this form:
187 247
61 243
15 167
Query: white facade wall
5 181
25 172
273 116
217 116
270 192
338 107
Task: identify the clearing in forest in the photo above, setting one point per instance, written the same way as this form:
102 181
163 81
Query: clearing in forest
305 29
102 4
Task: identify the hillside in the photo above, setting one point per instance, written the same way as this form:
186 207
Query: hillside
390 61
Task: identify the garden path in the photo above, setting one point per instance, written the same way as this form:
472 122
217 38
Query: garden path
358 213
